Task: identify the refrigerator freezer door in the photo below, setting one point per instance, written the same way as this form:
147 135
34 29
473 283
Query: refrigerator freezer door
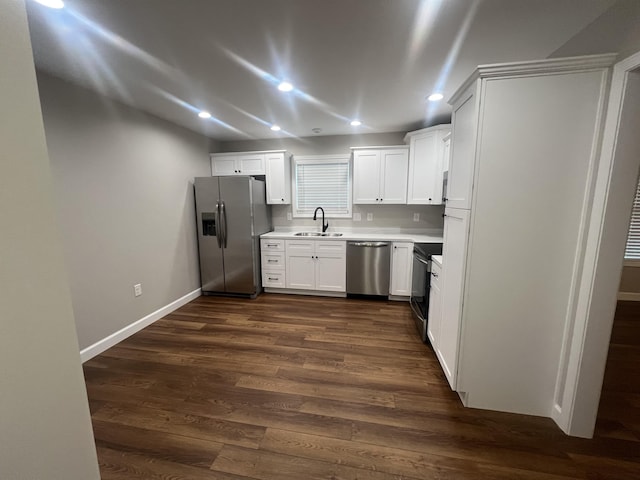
235 197
208 219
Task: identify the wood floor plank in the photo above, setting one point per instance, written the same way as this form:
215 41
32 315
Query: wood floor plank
310 389
117 465
266 465
156 444
294 387
187 425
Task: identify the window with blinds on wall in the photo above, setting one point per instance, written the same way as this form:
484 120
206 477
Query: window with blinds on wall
322 181
632 251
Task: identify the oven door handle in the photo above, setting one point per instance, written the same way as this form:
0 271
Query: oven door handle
421 260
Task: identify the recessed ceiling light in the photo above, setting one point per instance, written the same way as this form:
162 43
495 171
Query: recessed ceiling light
435 97
356 123
51 3
204 114
275 128
285 87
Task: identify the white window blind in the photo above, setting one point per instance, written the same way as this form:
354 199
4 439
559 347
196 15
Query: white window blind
632 251
322 181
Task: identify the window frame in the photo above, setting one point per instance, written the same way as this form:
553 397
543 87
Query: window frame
633 232
321 159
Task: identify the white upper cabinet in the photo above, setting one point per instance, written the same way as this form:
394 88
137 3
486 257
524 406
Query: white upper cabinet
463 149
275 165
278 178
245 163
426 165
380 175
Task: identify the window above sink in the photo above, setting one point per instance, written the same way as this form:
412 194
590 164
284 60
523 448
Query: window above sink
322 181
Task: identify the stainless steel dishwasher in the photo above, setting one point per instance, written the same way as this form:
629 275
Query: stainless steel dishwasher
368 265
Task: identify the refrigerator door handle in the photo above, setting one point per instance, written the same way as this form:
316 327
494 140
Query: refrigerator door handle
224 223
219 227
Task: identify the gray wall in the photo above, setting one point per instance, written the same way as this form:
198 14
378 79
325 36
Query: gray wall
45 429
384 216
123 182
616 31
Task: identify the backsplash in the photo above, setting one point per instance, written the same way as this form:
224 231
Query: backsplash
384 216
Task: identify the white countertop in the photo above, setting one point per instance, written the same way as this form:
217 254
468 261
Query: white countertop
383 235
437 259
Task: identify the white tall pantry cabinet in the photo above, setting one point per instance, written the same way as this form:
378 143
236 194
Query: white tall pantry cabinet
524 151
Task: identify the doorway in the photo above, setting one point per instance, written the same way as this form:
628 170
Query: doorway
614 192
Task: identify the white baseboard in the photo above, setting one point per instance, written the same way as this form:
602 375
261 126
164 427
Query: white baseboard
633 296
108 342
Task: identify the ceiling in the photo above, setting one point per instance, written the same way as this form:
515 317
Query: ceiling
375 60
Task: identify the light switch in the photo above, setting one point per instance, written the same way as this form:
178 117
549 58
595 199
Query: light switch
416 217
369 217
289 216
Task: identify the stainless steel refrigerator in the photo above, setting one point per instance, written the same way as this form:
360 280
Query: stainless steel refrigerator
231 214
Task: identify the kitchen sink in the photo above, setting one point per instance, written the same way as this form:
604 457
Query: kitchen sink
316 234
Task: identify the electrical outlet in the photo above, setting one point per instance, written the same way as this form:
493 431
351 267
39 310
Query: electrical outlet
137 289
369 217
357 217
289 216
416 217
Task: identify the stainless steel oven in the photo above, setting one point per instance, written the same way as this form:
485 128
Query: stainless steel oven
420 284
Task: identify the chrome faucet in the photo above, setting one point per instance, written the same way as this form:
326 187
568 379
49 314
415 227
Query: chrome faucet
324 225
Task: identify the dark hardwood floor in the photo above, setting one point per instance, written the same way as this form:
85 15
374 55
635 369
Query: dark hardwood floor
289 387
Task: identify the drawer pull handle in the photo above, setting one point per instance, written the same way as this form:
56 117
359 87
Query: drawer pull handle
434 274
272 244
275 279
272 261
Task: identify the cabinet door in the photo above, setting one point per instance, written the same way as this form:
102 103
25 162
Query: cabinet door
278 178
223 165
250 164
300 264
463 150
424 170
435 307
401 268
446 152
454 254
366 176
393 175
331 266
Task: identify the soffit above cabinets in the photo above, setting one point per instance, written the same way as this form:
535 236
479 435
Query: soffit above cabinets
375 60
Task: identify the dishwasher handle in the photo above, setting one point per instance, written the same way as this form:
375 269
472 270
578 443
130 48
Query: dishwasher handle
369 244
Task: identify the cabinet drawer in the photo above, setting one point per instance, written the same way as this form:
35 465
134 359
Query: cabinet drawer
274 279
272 261
330 247
300 247
271 245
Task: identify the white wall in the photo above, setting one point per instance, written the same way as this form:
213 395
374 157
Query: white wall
124 193
615 31
384 216
45 428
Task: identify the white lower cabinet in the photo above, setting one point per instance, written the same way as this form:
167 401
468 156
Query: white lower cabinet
316 265
456 234
401 266
435 306
273 260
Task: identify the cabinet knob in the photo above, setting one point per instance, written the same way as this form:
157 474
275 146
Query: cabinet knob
429 199
282 199
444 215
377 199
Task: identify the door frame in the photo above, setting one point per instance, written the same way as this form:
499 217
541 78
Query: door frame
580 379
